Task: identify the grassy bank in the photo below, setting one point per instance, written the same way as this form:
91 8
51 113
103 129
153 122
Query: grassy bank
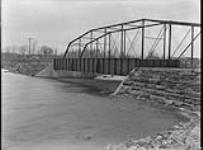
24 64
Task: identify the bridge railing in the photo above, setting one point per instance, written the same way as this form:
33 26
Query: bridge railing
115 66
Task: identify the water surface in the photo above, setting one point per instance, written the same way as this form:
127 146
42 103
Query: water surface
44 114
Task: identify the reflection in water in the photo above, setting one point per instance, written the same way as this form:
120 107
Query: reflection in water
46 114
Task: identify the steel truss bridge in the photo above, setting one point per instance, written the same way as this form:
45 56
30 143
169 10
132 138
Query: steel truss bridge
142 40
135 39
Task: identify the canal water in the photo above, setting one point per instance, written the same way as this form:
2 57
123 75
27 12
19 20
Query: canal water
45 114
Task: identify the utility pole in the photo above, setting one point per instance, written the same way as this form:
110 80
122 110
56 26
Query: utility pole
29 42
34 46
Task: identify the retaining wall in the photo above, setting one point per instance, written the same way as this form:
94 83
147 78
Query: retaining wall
50 72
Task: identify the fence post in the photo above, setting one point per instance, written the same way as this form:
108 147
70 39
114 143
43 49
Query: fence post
66 64
109 65
84 69
59 64
88 65
77 64
63 64
128 69
54 64
135 63
121 65
80 62
115 66
103 65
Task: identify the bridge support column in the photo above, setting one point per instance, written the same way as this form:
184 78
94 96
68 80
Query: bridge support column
124 44
121 45
97 48
164 42
79 47
143 33
192 45
105 31
169 41
109 63
91 46
110 45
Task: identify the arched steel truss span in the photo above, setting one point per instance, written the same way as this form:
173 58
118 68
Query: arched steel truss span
100 42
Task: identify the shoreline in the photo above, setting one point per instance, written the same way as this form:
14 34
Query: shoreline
184 135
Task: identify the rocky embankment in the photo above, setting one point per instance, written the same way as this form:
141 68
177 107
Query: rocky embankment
24 64
29 68
175 89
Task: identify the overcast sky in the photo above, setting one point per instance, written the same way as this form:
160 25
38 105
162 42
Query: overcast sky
56 22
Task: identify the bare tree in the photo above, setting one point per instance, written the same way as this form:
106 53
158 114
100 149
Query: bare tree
46 50
23 49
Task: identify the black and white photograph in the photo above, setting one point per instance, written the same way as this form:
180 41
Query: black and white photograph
101 74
